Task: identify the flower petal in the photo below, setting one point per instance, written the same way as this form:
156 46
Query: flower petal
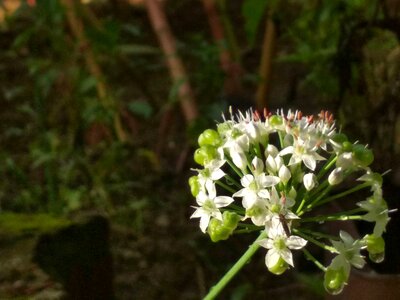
309 161
240 193
258 165
247 180
222 201
205 219
287 256
268 181
295 242
197 213
217 174
272 258
287 150
266 243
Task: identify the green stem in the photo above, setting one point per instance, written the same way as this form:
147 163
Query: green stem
314 241
301 204
216 289
225 186
313 259
231 179
340 217
317 234
315 201
345 193
280 139
230 35
236 169
331 161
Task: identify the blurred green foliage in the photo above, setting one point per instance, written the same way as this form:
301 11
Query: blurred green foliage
60 152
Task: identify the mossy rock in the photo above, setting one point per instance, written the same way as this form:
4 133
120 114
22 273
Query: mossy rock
16 225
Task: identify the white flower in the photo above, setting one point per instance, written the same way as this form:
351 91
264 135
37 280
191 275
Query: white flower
349 252
310 181
258 212
256 131
377 212
374 179
280 205
211 172
209 205
254 186
279 244
302 151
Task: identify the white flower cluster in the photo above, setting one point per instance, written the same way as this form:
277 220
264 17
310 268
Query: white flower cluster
279 167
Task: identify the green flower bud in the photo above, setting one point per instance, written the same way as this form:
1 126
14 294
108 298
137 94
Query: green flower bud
275 120
221 230
339 138
375 247
280 267
347 146
223 128
209 137
231 219
364 156
205 154
194 185
334 280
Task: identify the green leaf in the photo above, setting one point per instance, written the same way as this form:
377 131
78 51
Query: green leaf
253 11
142 109
136 49
87 84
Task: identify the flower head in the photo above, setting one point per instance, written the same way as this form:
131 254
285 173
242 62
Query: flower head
271 171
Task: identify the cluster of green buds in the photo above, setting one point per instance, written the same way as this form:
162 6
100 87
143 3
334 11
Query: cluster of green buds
270 173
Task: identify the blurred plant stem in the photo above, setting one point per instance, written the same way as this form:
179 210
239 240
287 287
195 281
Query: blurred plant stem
266 62
77 29
230 33
176 68
231 68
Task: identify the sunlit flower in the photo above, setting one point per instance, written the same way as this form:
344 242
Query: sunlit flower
209 204
302 152
279 244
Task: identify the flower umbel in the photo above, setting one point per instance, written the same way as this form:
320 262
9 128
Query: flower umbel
267 172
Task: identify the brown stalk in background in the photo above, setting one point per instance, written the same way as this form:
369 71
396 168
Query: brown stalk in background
231 69
266 63
176 68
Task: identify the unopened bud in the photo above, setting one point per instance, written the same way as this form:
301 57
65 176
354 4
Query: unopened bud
310 181
205 154
375 247
221 230
194 185
335 280
284 174
363 155
280 267
209 137
336 176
